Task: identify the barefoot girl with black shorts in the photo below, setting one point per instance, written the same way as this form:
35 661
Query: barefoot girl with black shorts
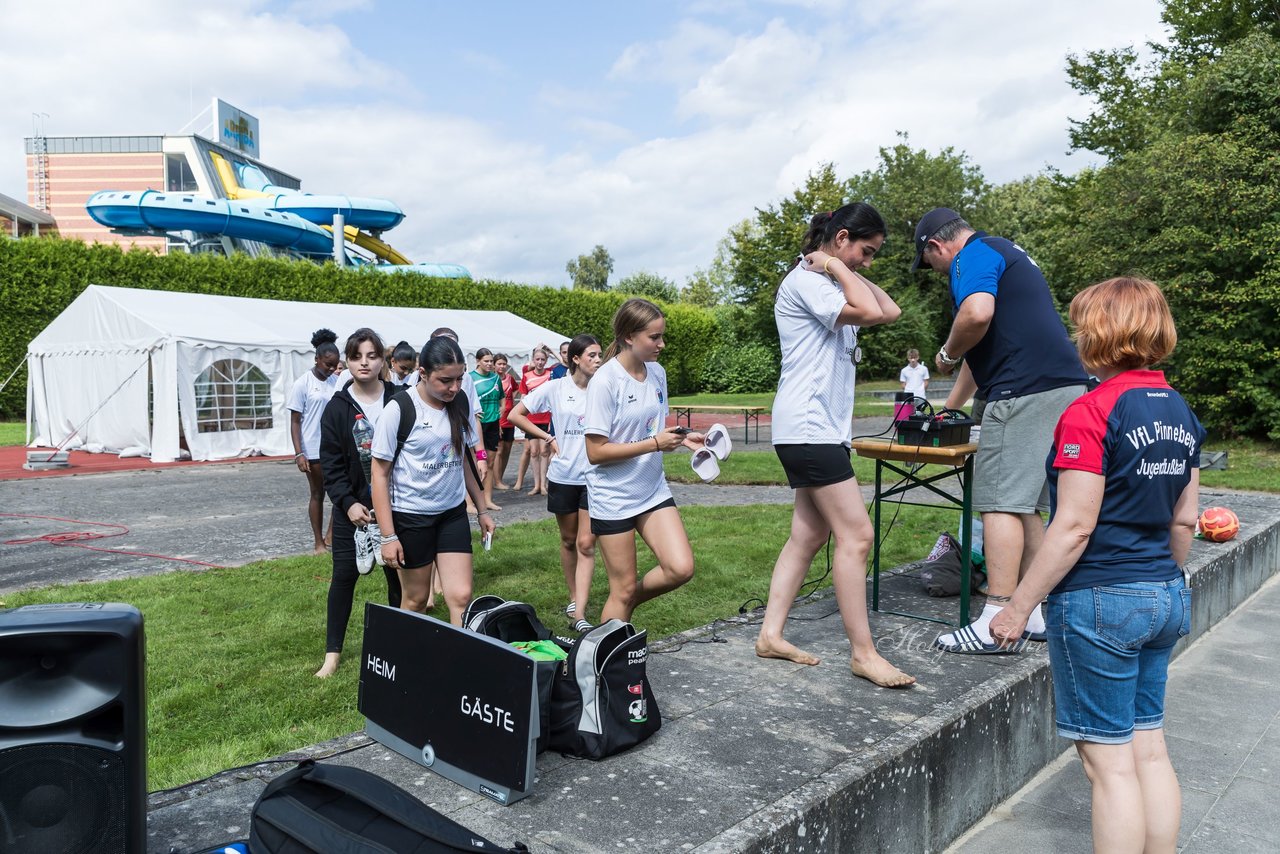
419 494
346 480
307 400
566 399
819 308
626 486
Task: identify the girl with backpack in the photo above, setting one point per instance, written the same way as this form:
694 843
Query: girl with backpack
422 477
346 480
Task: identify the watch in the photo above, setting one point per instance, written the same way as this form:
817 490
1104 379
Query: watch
946 357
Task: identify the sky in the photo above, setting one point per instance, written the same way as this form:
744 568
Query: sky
518 135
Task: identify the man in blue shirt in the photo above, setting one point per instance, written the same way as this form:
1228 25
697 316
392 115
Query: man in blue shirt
1014 352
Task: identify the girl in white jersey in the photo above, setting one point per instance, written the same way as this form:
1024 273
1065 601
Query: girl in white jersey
566 399
819 307
626 487
418 493
307 400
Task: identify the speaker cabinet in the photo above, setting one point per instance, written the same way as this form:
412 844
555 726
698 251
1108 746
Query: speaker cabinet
73 774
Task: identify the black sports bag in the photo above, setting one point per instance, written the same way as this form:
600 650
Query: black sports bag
510 622
506 621
332 809
601 703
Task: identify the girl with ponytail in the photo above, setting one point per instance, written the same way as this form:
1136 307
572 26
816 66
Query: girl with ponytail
820 306
419 490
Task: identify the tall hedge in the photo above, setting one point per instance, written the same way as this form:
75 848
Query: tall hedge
39 277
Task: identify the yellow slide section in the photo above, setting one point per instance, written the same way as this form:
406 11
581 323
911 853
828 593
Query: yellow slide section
367 241
363 239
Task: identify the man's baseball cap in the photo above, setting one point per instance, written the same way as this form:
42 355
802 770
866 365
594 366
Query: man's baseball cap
927 227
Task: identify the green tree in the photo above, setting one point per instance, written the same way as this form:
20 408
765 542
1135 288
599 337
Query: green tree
711 285
648 285
591 272
1189 199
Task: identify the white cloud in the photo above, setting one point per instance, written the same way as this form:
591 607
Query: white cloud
749 111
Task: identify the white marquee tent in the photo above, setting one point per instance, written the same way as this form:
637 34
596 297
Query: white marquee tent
134 369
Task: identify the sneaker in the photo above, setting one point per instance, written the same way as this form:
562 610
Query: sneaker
966 641
364 551
375 542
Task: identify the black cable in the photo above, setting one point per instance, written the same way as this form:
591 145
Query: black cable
282 760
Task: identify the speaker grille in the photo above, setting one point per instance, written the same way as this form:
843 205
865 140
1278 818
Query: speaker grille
64 798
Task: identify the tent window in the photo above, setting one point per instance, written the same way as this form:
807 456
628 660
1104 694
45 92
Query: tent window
233 395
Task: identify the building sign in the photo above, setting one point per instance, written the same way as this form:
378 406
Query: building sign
235 129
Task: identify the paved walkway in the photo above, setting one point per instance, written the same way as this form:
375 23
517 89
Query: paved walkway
226 514
1223 730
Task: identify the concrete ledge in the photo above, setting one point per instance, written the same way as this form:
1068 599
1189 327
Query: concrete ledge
767 756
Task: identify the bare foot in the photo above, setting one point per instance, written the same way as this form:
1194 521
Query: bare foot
492 506
500 486
785 650
881 673
320 549
535 491
330 665
519 485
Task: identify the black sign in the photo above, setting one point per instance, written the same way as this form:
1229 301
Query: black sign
458 702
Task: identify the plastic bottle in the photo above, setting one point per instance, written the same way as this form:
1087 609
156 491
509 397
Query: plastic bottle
362 432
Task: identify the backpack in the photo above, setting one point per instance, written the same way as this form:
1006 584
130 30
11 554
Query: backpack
408 415
510 622
601 702
331 808
940 571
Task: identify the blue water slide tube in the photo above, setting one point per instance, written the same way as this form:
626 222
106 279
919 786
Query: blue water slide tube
373 214
153 210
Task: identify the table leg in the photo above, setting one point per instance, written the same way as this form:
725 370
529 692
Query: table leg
966 538
875 543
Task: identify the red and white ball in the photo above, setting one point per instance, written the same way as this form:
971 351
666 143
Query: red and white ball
1218 524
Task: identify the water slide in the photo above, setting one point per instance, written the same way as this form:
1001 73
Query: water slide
257 210
151 210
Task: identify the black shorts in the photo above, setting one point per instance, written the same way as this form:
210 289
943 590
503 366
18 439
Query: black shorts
814 465
509 434
603 527
491 433
565 498
424 536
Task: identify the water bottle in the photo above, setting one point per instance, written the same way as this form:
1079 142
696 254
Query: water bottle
362 432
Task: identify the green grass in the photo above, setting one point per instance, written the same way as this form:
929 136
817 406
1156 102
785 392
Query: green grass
751 468
864 405
1251 465
13 433
231 652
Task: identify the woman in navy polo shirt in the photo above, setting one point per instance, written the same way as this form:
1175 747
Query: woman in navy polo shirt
1124 481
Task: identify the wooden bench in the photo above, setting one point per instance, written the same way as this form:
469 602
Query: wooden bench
750 414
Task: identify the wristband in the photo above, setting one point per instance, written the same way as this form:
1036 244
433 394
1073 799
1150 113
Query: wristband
946 357
656 446
828 261
299 454
482 454
483 513
389 538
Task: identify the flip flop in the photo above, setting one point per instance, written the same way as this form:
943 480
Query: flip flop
705 465
717 441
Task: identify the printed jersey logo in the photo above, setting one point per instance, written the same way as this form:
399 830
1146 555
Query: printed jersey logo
446 451
1071 451
651 426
